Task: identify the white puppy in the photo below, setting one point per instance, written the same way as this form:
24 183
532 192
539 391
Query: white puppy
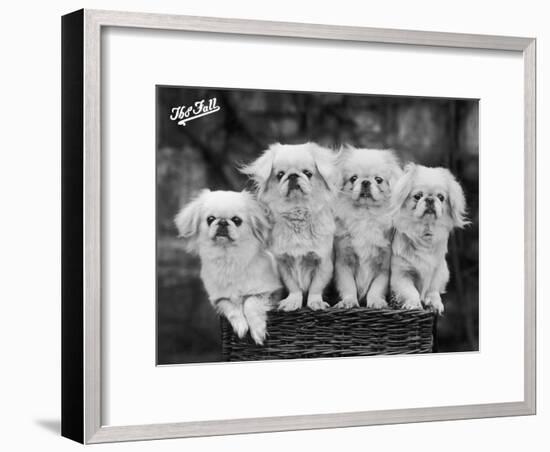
364 226
429 203
228 230
298 184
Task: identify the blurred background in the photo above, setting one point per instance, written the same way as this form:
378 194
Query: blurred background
204 153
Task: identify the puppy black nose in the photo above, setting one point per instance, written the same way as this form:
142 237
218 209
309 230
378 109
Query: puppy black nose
223 223
365 183
430 201
293 182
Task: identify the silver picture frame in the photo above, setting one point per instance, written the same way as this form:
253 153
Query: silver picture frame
81 224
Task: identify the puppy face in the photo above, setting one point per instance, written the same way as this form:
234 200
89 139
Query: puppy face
430 195
293 173
368 175
221 219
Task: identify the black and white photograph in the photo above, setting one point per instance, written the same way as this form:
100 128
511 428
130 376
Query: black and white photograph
314 225
259 227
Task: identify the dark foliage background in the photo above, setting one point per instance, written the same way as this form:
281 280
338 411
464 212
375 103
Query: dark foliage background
204 153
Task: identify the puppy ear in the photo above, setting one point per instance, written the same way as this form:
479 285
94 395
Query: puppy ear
325 162
259 221
188 219
457 201
260 169
393 162
403 187
340 158
343 154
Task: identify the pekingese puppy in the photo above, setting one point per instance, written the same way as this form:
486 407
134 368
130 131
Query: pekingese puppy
364 225
298 185
228 230
429 203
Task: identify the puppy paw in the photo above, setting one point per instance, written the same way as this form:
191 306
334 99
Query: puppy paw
292 302
240 325
411 303
376 302
316 303
347 302
258 333
433 301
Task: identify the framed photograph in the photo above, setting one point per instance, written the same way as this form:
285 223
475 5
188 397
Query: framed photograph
279 226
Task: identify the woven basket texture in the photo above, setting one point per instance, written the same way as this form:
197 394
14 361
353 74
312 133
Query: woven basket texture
334 333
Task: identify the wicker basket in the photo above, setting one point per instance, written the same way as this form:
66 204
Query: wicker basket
335 333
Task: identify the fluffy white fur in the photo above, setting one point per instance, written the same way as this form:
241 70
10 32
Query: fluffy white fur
429 203
364 225
228 230
298 184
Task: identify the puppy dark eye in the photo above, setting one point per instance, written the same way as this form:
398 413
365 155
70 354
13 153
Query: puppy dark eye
352 179
280 175
210 219
237 221
441 197
378 180
308 173
418 195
